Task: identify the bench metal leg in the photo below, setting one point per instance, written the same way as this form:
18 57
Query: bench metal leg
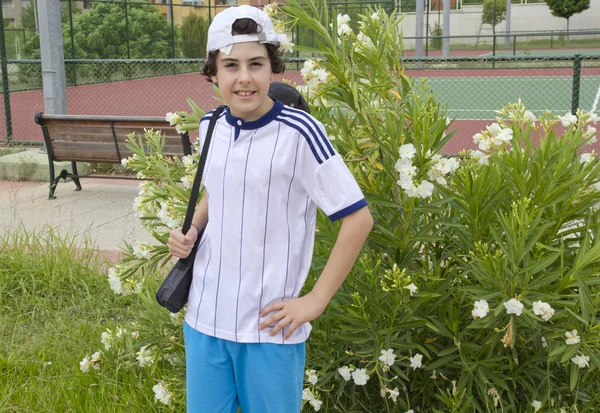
76 180
52 183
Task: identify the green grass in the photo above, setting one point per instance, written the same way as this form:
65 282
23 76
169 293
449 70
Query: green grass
55 302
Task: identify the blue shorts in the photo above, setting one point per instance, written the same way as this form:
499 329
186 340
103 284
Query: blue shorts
223 375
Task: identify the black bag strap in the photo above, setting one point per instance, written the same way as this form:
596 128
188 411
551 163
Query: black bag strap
189 215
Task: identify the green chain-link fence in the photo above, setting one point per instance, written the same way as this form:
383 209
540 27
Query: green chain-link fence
472 88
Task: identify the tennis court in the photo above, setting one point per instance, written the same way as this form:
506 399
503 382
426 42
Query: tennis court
479 97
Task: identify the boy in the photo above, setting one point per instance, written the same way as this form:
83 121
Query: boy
268 168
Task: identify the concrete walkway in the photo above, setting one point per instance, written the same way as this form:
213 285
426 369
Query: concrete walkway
103 210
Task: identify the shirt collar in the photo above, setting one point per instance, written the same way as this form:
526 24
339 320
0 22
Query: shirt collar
255 124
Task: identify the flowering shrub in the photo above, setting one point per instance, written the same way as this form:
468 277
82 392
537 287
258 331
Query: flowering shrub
478 289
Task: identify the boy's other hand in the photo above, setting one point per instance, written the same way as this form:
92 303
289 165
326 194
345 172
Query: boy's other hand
181 245
292 313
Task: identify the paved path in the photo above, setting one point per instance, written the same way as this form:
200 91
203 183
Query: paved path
103 210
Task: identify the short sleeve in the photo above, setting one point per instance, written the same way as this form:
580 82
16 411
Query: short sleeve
325 177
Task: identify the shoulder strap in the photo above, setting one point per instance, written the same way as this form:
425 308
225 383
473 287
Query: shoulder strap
189 215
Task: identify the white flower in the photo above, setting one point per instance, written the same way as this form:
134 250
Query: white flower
375 16
544 342
572 337
480 309
135 335
141 250
106 339
120 332
590 130
446 166
84 365
161 393
405 167
187 160
144 357
423 190
312 376
595 187
172 118
394 394
484 145
416 361
96 359
307 394
581 360
586 157
360 377
345 372
410 411
179 128
529 116
537 405
504 136
388 356
568 119
412 288
543 309
513 307
342 24
165 217
307 70
124 162
187 182
270 9
494 129
481 157
322 75
115 281
286 46
405 182
477 138
407 151
364 40
593 118
316 404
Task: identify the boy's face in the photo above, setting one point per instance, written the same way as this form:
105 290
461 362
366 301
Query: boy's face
244 77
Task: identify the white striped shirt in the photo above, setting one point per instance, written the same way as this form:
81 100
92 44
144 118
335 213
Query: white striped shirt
264 180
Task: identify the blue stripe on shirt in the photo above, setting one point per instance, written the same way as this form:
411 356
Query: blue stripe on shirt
304 118
348 210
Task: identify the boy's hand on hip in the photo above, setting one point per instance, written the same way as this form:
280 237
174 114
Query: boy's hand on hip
181 245
292 313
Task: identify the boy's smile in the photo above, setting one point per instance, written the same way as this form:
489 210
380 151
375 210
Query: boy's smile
244 76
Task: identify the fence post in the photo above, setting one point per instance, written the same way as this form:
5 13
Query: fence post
551 36
515 46
127 29
74 67
5 88
576 83
172 28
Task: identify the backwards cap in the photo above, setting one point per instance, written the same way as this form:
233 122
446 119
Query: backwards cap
219 32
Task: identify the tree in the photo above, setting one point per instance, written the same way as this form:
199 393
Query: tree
194 32
567 8
494 12
102 33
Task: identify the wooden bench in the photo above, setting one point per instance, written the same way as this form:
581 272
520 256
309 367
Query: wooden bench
100 139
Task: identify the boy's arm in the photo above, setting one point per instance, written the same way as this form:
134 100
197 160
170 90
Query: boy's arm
293 313
181 245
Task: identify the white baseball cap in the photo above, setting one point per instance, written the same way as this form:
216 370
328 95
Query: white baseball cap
219 32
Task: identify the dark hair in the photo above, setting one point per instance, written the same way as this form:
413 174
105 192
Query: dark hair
245 26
